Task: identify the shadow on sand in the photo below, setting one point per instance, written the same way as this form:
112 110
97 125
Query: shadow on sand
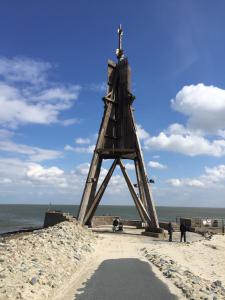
123 279
117 232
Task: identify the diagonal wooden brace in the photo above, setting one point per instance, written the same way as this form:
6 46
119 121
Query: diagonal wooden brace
140 184
100 193
140 207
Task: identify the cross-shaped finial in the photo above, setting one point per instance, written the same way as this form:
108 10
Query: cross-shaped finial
119 51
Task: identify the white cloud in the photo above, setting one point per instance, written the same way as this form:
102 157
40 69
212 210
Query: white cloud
33 153
28 96
82 169
19 69
117 185
142 134
174 182
97 87
23 109
188 144
59 93
176 128
185 182
203 105
129 166
68 122
5 180
4 134
213 177
53 175
28 177
157 165
82 141
88 149
204 133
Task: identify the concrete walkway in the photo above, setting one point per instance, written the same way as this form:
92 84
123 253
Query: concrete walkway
124 279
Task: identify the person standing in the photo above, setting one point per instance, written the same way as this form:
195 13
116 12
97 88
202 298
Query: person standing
115 224
170 231
183 230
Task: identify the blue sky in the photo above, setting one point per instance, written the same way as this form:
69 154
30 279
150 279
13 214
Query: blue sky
53 69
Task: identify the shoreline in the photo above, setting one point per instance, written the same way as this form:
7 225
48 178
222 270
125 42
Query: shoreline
102 205
19 231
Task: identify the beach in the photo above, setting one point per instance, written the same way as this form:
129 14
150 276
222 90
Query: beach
62 262
34 265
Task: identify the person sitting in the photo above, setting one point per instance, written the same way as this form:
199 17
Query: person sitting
115 224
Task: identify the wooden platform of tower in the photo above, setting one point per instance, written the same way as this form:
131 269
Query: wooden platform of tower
118 140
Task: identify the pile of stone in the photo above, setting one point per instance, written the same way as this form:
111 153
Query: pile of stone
192 286
34 265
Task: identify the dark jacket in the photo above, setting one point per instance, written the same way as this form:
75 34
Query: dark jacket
170 228
115 222
183 228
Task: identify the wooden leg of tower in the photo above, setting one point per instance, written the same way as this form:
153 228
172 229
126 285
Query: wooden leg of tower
140 184
148 195
95 183
90 186
143 178
139 205
99 194
141 194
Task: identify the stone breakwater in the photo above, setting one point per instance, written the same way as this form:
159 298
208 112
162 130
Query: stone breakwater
33 266
192 286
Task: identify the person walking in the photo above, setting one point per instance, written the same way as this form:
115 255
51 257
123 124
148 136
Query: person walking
183 230
170 231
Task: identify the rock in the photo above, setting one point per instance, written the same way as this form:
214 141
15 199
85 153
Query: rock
168 273
217 283
33 280
10 268
34 259
24 270
31 260
195 280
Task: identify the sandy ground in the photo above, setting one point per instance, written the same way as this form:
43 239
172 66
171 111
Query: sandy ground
69 262
33 265
196 268
117 247
205 258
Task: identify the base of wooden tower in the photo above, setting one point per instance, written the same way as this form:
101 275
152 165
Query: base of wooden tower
154 232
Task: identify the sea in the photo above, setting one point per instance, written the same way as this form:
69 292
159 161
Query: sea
21 216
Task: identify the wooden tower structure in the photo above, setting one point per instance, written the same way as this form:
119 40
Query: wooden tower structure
117 140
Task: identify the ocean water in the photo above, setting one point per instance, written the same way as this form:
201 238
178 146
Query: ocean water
18 216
